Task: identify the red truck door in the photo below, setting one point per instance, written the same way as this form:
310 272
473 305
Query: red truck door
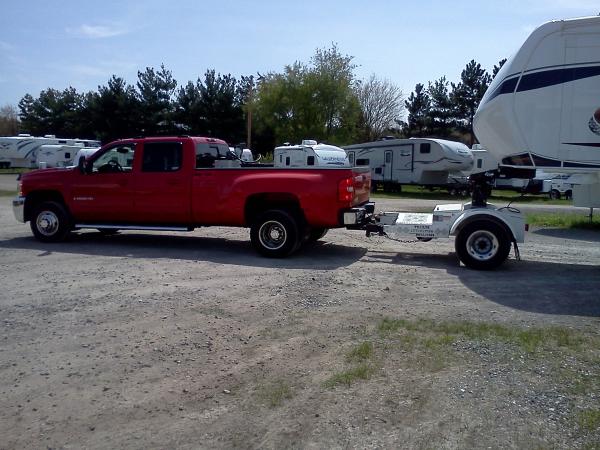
162 183
209 183
105 194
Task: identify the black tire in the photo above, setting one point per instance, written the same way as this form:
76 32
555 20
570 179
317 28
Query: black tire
317 233
554 194
569 195
50 222
275 234
482 245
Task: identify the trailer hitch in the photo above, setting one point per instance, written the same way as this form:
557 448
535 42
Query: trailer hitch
374 228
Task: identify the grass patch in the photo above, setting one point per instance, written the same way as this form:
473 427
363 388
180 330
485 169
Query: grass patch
4 193
550 220
14 170
361 352
445 333
589 419
274 394
361 372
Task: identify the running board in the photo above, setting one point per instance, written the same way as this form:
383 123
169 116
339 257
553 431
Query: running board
132 227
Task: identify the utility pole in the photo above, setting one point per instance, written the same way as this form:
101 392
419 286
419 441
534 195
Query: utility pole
249 119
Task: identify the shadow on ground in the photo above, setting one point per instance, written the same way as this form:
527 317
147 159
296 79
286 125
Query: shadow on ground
319 255
533 286
563 233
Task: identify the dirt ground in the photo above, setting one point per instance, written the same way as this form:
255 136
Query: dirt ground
164 340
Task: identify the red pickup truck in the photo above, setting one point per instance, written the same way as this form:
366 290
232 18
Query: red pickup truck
179 183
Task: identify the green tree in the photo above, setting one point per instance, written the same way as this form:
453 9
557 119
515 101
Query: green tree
418 106
155 89
53 112
316 100
440 114
466 95
497 67
114 111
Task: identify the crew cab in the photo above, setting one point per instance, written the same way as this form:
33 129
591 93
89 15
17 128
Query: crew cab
180 183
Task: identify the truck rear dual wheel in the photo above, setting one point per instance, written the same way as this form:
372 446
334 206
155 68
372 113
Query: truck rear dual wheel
50 222
482 245
275 234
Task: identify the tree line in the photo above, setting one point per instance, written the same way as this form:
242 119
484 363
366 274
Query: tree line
322 99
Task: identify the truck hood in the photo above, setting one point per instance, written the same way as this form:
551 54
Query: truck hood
42 174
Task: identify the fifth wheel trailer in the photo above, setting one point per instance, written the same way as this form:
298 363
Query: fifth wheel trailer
542 110
29 151
421 161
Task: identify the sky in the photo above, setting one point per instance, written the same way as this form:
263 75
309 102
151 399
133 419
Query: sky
83 43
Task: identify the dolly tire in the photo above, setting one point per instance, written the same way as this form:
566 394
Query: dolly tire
482 245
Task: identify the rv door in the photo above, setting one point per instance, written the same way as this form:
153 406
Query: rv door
388 166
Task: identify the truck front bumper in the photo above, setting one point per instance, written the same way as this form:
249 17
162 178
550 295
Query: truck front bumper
19 208
357 218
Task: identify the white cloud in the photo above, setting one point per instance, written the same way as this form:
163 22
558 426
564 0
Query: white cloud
97 31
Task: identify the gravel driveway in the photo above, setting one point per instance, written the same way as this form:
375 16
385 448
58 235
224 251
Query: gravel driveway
161 340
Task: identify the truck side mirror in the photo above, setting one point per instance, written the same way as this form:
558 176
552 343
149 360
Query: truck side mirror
81 164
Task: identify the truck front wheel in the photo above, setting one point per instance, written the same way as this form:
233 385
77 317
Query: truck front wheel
482 245
50 222
275 234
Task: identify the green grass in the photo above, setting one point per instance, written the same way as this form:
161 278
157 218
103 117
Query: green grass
361 352
589 419
445 333
361 372
275 393
4 193
560 220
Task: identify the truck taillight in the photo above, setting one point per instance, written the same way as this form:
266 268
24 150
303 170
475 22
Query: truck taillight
346 190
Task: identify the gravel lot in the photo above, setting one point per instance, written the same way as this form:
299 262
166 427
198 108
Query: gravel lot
161 340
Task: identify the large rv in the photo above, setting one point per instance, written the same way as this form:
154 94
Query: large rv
542 110
421 161
32 152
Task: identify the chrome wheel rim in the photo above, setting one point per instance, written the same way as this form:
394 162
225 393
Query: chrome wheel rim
272 235
47 223
482 245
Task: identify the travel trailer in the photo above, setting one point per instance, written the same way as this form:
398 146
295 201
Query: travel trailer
29 151
309 153
421 161
542 110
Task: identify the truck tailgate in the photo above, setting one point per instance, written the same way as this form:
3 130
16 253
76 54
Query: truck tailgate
362 184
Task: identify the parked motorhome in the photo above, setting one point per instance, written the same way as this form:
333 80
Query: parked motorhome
542 110
421 161
29 151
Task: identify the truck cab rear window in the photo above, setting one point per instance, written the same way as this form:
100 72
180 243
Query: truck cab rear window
162 156
207 154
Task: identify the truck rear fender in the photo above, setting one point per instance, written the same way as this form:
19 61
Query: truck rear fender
514 228
256 204
36 197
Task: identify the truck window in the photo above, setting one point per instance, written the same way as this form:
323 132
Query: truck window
116 159
425 148
162 156
207 154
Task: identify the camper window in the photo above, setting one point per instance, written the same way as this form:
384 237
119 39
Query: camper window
310 160
162 157
362 162
388 157
425 148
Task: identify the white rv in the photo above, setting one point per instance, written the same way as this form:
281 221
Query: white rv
542 110
422 161
309 153
29 151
